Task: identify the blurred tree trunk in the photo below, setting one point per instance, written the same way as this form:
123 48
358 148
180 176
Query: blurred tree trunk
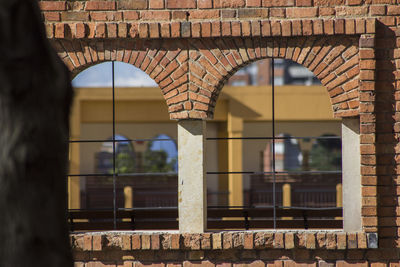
35 97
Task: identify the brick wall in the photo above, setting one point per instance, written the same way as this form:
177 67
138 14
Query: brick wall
191 47
248 248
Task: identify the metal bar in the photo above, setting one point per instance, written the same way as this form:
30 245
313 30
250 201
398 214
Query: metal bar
91 175
174 173
273 141
118 141
125 174
114 155
279 172
148 174
276 138
213 207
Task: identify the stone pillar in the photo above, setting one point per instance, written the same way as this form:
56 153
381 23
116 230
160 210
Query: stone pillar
351 162
192 190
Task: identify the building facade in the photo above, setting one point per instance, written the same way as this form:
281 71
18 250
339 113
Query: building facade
191 48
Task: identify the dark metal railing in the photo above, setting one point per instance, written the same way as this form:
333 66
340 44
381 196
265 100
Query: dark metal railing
272 205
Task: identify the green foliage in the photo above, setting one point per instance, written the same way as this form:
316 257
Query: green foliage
326 155
124 163
156 161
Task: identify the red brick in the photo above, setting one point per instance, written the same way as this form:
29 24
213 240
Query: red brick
145 241
206 29
156 4
246 28
277 3
98 16
297 12
75 16
53 5
216 29
52 16
265 28
289 240
100 5
236 29
229 3
165 30
226 28
154 29
393 10
155 15
328 27
277 13
122 30
143 30
339 26
253 3
255 28
377 10
175 29
204 3
179 4
276 28
303 2
131 15
327 11
132 4
354 2
286 28
228 14
204 14
196 29
179 15
318 27
307 27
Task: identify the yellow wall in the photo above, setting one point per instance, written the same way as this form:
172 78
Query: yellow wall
240 111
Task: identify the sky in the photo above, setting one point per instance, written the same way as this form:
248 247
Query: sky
100 75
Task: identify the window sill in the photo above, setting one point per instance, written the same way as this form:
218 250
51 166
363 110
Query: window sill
223 240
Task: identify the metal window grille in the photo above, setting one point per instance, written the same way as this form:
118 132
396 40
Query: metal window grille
272 138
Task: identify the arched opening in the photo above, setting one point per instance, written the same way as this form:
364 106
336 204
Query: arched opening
302 113
118 159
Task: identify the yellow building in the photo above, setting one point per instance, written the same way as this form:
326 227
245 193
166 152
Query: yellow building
141 113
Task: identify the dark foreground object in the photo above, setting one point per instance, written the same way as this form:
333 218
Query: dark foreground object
35 97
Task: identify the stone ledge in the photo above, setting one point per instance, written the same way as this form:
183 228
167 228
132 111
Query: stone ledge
227 240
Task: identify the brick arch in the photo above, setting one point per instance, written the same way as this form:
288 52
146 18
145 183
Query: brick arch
212 61
165 61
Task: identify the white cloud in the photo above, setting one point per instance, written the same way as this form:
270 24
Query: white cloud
100 75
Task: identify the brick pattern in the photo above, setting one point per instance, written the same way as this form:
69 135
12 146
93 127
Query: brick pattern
367 131
197 10
236 248
352 45
166 62
64 27
192 74
213 61
237 240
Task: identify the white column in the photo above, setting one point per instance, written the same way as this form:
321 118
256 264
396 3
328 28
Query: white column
192 192
351 162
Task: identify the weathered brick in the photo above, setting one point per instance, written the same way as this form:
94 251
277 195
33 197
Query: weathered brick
132 4
52 5
178 4
100 5
156 4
